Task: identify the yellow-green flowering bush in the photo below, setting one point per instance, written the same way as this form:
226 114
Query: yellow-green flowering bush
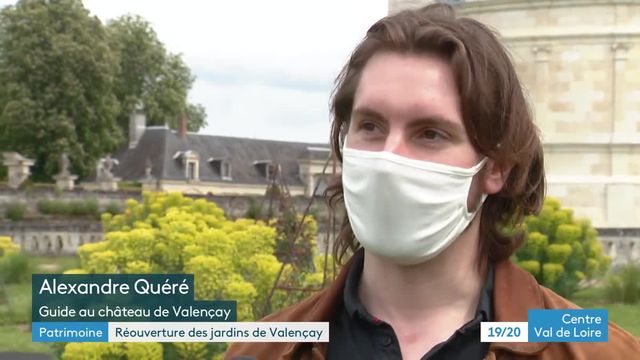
561 251
7 246
101 351
230 259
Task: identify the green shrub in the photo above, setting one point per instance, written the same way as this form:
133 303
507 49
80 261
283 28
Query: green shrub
552 273
114 208
15 211
51 207
191 350
560 251
254 211
624 285
532 266
14 268
70 208
93 207
83 207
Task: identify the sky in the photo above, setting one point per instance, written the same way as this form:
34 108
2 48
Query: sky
264 69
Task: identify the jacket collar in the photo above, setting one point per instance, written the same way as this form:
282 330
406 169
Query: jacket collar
324 306
515 291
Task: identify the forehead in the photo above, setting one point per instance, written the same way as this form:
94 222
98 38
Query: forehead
406 86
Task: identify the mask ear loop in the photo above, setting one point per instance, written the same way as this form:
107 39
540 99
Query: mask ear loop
470 215
477 167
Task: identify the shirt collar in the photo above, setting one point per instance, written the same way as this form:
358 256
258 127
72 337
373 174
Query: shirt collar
514 292
355 308
350 296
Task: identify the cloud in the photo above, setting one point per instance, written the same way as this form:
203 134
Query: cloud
265 112
266 78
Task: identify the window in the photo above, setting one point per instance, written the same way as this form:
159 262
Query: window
266 169
189 160
191 170
221 167
225 172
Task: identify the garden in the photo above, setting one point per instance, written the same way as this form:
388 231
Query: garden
239 259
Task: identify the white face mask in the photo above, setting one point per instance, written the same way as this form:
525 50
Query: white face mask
403 209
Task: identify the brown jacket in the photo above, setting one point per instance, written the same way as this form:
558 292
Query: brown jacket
515 291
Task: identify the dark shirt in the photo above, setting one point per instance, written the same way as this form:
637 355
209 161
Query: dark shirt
356 334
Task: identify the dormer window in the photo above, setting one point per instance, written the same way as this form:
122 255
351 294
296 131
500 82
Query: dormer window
226 171
191 171
221 167
190 160
266 168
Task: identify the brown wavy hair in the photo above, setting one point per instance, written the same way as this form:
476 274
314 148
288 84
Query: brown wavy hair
495 113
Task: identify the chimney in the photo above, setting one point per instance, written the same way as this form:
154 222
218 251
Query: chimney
137 125
182 127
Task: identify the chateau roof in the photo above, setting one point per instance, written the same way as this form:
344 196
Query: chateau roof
160 145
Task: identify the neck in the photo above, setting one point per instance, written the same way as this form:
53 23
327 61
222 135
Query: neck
446 287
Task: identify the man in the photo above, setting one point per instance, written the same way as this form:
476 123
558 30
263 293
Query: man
438 151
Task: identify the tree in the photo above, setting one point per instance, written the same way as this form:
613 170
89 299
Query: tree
68 83
560 251
57 74
230 260
148 74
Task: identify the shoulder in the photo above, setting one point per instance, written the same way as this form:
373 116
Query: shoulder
318 307
516 291
309 309
620 344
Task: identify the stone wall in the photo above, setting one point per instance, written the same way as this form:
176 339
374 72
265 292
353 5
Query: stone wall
52 238
622 245
40 234
234 206
30 197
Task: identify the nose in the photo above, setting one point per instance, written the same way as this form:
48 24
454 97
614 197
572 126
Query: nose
396 143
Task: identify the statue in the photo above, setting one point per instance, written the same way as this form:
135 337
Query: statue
64 179
63 164
105 165
104 175
149 183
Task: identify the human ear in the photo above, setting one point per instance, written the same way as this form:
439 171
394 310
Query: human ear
494 177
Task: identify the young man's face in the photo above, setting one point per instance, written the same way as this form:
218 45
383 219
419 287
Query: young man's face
409 105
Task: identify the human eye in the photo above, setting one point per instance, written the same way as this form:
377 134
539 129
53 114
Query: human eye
368 126
434 135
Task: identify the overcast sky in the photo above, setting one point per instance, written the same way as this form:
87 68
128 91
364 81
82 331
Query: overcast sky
264 69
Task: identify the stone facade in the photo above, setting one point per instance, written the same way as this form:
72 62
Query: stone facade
579 61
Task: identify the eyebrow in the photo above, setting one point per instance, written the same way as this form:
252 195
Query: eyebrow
434 119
